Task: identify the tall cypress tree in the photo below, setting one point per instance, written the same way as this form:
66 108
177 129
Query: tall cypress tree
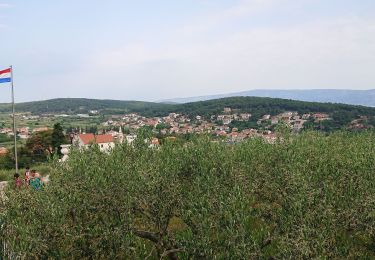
58 137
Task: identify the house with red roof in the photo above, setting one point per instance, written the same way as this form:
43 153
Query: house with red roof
104 141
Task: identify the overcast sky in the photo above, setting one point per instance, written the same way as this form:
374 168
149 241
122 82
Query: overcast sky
152 50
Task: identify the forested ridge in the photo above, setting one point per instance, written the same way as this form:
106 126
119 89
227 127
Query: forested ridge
341 115
80 105
255 105
260 106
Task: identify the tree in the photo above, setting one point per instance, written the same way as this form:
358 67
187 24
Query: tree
144 135
93 129
4 138
6 162
371 121
58 138
161 126
40 143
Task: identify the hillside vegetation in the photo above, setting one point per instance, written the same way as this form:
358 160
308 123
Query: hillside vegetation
260 106
256 105
81 105
307 196
340 113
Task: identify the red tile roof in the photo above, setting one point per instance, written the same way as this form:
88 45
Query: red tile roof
87 138
98 139
104 139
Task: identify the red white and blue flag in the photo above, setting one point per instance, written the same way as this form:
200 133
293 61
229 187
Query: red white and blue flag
5 75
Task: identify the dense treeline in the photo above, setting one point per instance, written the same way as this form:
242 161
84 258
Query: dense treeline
260 106
307 196
256 105
80 105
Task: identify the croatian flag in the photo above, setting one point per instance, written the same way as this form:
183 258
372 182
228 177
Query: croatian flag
5 75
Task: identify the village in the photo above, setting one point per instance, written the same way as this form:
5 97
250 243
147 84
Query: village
123 128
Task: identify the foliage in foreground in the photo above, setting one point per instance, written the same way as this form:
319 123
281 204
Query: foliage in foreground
8 175
308 197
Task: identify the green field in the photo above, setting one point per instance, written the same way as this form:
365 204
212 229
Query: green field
7 121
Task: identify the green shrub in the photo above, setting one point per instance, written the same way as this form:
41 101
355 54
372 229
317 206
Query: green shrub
4 176
310 196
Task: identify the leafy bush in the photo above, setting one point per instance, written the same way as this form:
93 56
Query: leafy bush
310 196
4 138
4 176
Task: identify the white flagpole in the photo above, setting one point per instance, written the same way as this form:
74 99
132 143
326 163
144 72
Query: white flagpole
14 120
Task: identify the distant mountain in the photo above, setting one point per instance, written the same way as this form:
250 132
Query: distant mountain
352 97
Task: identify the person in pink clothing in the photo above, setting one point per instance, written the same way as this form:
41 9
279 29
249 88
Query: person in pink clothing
17 181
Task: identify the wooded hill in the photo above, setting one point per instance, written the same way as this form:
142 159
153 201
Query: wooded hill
81 105
254 105
257 106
